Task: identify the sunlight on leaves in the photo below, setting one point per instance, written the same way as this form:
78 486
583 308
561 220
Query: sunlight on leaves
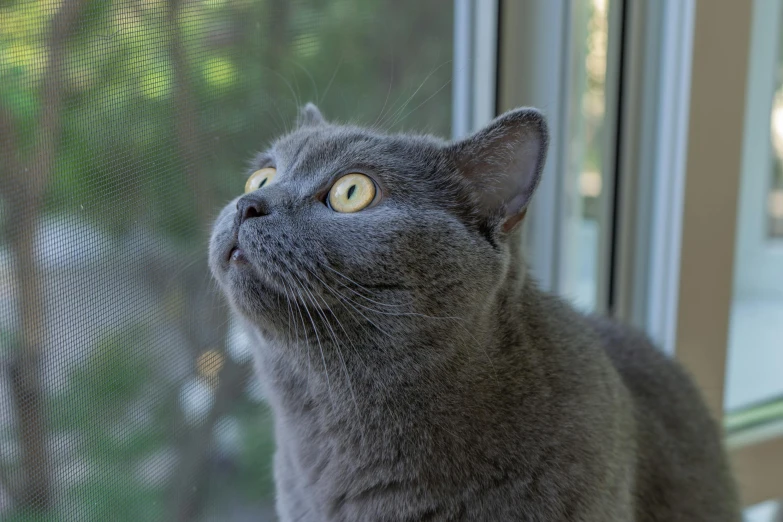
219 73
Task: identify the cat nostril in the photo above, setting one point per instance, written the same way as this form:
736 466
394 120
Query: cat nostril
251 211
248 208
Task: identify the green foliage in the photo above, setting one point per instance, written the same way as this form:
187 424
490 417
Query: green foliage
161 112
255 476
247 66
8 342
99 402
31 517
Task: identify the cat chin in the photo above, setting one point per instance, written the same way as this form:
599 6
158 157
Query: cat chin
256 310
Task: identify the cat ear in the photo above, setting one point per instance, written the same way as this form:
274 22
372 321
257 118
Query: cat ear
310 115
503 161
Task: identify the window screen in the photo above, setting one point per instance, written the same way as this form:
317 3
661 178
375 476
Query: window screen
126 392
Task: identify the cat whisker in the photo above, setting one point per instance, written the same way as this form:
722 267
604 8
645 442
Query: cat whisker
292 318
312 80
459 321
342 300
293 92
405 116
395 314
380 124
346 303
298 92
320 347
388 92
374 310
337 318
367 298
396 113
340 355
351 303
279 121
281 126
304 330
288 303
334 75
337 272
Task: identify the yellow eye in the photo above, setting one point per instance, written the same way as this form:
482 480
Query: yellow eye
352 193
260 178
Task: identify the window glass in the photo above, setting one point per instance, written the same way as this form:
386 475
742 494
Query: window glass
754 387
584 191
126 393
764 512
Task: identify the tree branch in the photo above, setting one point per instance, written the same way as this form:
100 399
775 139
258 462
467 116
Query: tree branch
10 153
27 185
186 119
191 475
49 128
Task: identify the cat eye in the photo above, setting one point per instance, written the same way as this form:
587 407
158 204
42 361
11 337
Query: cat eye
352 193
260 178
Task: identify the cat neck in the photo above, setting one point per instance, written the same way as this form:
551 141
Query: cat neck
417 379
433 407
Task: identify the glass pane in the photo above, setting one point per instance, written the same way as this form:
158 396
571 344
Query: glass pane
754 384
765 512
125 391
586 164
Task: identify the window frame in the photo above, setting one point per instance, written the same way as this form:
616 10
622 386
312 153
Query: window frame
670 218
475 65
675 276
653 139
536 68
534 38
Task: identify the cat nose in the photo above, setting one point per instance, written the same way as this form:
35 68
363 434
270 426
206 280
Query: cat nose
251 206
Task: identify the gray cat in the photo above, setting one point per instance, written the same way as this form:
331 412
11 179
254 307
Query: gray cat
415 370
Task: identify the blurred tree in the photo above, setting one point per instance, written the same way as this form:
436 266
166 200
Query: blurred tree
137 117
25 180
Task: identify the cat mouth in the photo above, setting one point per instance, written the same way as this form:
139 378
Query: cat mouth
236 255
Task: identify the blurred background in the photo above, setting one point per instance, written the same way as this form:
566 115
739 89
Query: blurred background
126 389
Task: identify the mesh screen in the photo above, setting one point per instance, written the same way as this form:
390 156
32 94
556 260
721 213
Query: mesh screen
126 391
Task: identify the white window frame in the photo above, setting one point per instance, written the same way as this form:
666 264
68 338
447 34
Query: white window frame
682 128
535 38
475 65
652 168
676 255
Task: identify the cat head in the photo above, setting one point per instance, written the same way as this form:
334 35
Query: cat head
349 234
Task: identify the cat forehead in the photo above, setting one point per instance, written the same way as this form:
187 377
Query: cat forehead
330 146
313 146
